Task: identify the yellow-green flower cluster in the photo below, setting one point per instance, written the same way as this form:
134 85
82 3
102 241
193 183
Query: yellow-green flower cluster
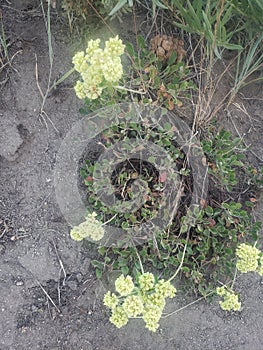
145 300
165 289
110 300
146 281
230 301
124 285
133 305
151 317
90 228
119 317
249 259
98 68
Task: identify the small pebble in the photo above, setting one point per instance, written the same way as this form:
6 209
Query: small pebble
19 283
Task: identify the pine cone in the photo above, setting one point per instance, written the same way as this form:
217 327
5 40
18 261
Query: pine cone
163 46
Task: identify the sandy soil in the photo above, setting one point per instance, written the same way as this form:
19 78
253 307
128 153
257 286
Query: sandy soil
34 236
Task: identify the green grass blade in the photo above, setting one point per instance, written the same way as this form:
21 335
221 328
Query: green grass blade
117 7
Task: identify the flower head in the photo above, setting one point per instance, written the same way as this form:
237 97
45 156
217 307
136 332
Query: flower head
230 301
78 60
112 69
221 291
133 305
124 285
93 46
155 300
91 228
79 89
110 300
119 317
248 258
145 300
114 47
146 281
165 289
151 316
98 68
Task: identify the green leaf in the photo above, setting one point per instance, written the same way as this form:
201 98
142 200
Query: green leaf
97 264
117 7
209 211
125 225
122 262
98 273
83 111
167 126
125 270
228 250
102 250
207 28
172 58
141 42
231 46
159 4
135 271
201 257
107 259
83 173
130 49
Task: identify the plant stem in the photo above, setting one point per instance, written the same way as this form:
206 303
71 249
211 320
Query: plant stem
106 222
130 90
139 258
186 306
234 279
182 260
64 77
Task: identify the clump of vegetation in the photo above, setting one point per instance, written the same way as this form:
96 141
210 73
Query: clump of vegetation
220 238
99 69
145 299
211 243
204 252
150 79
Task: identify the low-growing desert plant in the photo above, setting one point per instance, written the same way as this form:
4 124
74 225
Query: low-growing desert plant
224 155
165 81
204 253
149 78
205 246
